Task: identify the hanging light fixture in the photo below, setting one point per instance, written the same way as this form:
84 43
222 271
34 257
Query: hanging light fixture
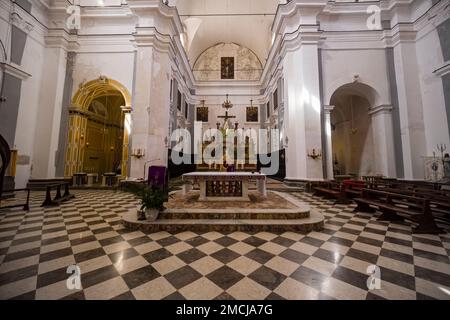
227 103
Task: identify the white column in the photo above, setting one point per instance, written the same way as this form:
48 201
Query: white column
49 115
328 141
157 28
151 109
302 110
410 107
383 140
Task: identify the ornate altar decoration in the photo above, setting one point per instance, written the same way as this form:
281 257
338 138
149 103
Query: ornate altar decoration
434 170
245 144
445 158
437 169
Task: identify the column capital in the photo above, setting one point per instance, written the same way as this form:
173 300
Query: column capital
384 108
126 109
328 109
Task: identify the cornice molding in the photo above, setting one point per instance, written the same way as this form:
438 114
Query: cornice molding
14 70
380 109
443 70
21 23
141 8
59 38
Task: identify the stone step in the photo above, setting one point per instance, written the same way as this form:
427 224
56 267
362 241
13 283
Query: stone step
255 214
314 223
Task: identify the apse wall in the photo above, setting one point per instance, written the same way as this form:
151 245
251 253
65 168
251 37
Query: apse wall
246 64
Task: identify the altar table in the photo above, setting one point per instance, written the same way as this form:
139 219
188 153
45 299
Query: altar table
224 186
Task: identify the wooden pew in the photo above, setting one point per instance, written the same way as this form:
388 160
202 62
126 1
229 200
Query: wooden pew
331 189
353 188
394 207
439 203
58 198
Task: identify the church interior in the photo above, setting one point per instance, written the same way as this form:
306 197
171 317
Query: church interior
225 150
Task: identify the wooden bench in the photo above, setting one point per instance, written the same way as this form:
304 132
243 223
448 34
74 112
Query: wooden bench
310 185
405 184
353 188
332 190
439 203
58 198
26 205
397 206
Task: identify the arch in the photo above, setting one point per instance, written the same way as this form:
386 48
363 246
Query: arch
89 110
352 138
96 88
358 89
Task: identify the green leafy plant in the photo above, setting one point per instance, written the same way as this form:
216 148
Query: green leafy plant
152 198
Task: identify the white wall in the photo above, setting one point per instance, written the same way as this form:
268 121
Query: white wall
117 66
340 67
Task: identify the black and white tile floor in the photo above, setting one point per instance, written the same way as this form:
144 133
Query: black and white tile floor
37 247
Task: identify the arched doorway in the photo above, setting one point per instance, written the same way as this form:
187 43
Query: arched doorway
353 150
98 134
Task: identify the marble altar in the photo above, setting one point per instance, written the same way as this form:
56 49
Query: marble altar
224 186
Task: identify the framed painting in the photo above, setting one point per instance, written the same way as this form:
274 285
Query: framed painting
252 114
202 114
227 67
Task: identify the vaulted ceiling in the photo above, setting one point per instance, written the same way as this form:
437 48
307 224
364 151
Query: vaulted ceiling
245 22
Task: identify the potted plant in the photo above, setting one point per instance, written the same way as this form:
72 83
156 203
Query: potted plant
152 200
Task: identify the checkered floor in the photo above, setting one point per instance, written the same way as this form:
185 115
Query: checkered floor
37 247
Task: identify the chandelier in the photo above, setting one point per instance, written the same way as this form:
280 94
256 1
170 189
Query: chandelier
227 103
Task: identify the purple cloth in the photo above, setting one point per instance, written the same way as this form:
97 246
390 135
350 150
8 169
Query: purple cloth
157 177
231 168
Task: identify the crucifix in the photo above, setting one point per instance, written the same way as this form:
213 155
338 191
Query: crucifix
225 118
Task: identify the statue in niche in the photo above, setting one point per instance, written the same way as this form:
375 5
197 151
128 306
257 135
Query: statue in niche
227 68
446 162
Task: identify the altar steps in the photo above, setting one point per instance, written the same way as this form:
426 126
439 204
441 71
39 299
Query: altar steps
279 212
236 214
314 222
